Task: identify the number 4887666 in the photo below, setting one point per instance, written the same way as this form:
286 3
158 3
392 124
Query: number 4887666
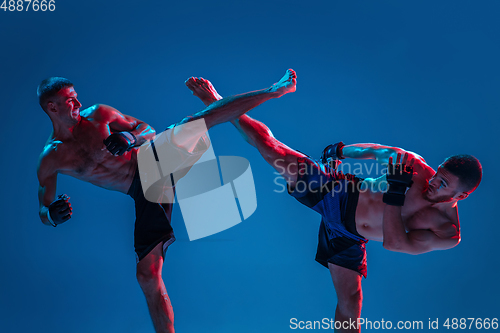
25 5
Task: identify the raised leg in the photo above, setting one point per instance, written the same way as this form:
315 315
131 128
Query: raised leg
281 157
230 108
226 109
349 296
347 283
205 91
149 278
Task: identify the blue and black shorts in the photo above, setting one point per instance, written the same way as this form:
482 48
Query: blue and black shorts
335 196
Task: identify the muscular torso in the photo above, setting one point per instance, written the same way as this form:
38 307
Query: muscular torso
417 213
85 157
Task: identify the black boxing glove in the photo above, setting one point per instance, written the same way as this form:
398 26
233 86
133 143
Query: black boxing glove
399 180
59 210
120 142
332 152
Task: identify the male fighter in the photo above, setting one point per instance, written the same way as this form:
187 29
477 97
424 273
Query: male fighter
420 219
99 145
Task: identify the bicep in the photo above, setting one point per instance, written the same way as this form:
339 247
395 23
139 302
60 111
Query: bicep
388 152
47 179
377 152
124 123
421 241
118 122
47 189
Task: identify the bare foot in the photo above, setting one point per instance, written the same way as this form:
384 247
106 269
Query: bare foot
286 84
203 89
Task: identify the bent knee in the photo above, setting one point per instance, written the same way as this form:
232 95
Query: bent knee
349 304
147 275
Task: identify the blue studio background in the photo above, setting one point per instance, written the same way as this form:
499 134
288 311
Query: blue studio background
420 75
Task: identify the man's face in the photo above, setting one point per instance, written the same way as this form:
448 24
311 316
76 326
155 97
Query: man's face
443 187
67 105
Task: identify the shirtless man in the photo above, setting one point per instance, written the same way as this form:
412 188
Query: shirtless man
99 145
421 219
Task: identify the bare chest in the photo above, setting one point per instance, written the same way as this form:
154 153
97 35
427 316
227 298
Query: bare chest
417 213
86 156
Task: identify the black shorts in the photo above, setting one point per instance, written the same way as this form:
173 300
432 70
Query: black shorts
152 221
335 196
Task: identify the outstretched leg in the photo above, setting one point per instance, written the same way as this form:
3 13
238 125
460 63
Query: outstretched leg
281 157
230 108
205 91
278 155
226 109
347 283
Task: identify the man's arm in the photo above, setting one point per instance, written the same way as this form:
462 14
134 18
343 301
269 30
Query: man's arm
416 241
46 194
59 210
126 132
119 122
376 152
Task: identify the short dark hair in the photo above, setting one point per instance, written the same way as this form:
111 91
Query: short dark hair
467 168
49 87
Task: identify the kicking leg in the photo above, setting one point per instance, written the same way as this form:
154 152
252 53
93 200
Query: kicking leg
277 154
284 159
349 296
281 157
232 107
149 278
203 89
228 109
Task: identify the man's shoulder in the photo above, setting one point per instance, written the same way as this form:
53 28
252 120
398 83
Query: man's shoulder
98 112
448 230
420 166
450 212
431 226
49 156
50 150
422 170
443 220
